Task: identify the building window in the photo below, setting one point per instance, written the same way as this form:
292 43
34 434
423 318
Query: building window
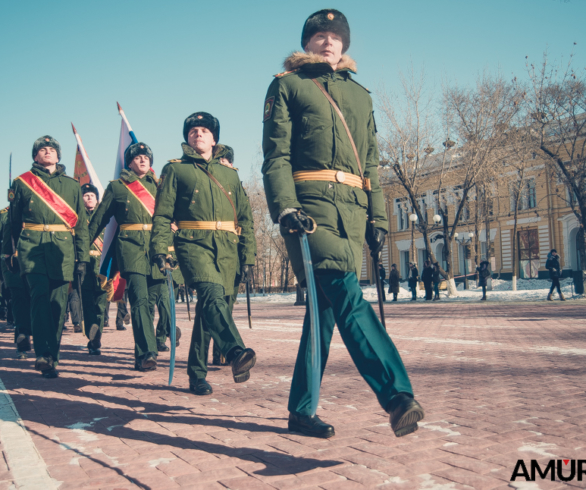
401 212
405 265
527 196
528 254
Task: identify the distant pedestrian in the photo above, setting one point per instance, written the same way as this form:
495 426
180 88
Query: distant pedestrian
427 278
553 265
383 275
484 273
413 280
394 279
436 281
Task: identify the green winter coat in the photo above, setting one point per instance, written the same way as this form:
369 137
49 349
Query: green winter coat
303 132
91 280
46 252
10 279
132 246
177 275
186 193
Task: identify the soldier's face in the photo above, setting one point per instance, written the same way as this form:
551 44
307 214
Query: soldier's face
327 44
47 156
140 164
90 201
201 139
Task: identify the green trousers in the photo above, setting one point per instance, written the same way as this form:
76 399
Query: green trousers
48 301
140 298
213 318
375 356
231 300
21 311
94 302
159 296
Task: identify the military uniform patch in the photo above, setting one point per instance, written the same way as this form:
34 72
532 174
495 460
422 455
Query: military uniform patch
10 195
268 110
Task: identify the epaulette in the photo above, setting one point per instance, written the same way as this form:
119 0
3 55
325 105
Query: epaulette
5 210
228 166
176 160
359 84
281 75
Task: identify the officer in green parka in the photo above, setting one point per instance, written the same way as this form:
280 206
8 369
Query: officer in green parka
211 209
19 293
317 169
130 199
94 299
50 233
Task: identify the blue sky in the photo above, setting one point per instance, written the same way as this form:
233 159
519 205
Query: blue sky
70 61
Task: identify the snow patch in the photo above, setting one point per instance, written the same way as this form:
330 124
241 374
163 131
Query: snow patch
539 448
429 483
437 428
155 462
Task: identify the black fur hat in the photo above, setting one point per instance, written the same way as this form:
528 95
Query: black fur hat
46 141
135 150
85 188
205 120
330 20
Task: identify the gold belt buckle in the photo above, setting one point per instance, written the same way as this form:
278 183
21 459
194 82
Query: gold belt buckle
145 227
219 225
45 227
340 176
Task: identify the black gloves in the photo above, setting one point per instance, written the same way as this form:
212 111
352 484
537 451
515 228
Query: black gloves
297 221
376 241
245 273
80 271
161 261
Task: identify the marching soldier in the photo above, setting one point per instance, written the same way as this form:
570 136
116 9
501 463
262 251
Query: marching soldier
49 229
320 158
19 293
211 209
94 299
131 200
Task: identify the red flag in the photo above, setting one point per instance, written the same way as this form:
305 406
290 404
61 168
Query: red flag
80 172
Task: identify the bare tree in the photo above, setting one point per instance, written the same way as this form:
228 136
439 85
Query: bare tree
556 103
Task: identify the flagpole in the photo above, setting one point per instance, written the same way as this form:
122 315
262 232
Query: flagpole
130 131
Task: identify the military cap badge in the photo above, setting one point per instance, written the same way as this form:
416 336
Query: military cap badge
10 195
200 117
331 16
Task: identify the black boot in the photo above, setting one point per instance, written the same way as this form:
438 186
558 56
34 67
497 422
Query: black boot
242 361
162 347
404 413
50 373
77 328
310 426
149 363
200 387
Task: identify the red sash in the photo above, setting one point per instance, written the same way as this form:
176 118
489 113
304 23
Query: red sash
142 194
55 202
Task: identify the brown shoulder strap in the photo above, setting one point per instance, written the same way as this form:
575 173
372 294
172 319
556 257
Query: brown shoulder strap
341 116
215 181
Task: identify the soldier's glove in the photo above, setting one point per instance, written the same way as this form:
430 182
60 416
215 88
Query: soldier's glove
376 241
12 263
172 262
245 274
297 221
160 261
80 271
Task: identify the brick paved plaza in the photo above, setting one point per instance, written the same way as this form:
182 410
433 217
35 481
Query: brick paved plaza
499 383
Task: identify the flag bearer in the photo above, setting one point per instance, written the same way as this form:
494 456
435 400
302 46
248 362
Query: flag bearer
131 200
211 209
94 298
49 229
19 293
318 164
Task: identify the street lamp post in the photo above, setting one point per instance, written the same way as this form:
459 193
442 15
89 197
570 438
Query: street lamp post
465 239
413 219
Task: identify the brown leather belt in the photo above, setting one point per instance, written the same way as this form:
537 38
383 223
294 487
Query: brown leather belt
329 176
136 227
38 227
95 253
209 225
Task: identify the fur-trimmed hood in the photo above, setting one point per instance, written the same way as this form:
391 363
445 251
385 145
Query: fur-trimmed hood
298 58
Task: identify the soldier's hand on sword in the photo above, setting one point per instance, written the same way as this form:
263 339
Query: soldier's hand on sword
376 241
80 271
297 220
161 261
245 274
